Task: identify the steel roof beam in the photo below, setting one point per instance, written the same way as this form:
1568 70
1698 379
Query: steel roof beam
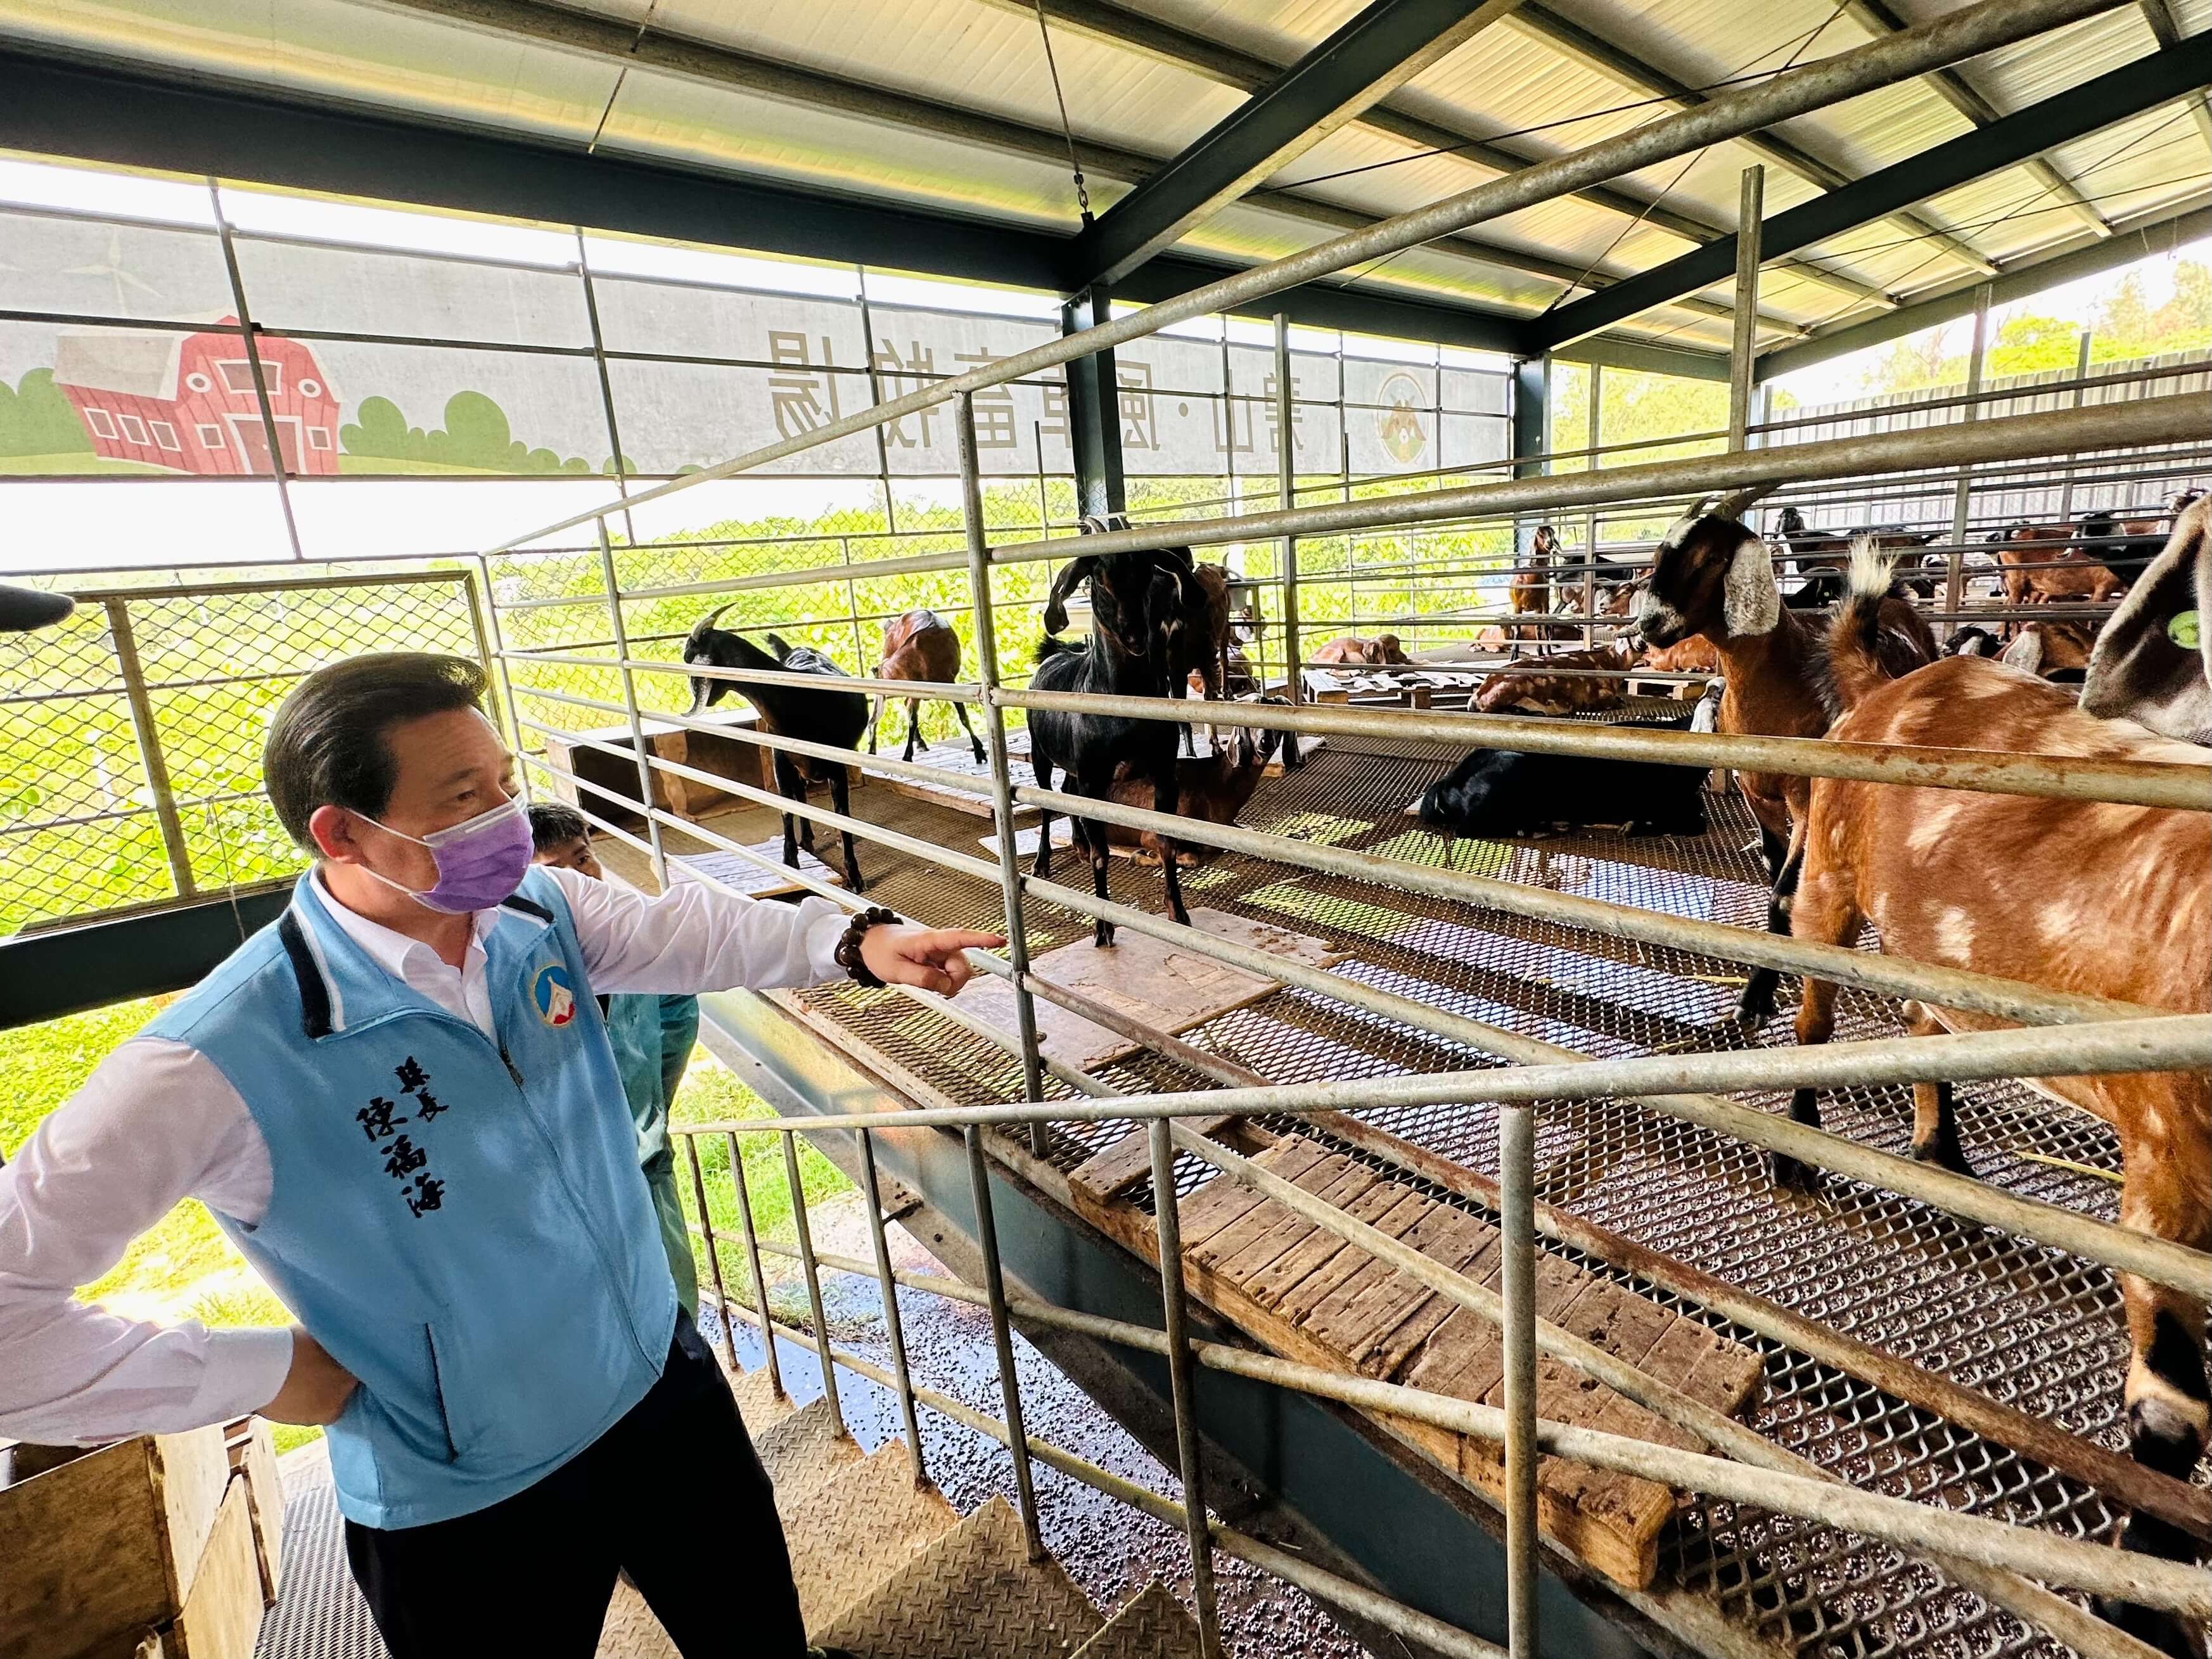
1377 52
2166 27
2160 231
1103 21
1875 17
2113 96
708 64
1633 71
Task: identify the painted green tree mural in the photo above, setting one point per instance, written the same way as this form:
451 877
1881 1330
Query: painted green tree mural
476 437
37 419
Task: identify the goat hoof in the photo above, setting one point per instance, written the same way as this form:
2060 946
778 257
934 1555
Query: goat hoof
1101 937
2155 1628
1754 1012
1945 1153
979 754
1791 1177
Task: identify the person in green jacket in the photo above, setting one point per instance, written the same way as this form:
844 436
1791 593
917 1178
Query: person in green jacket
653 1037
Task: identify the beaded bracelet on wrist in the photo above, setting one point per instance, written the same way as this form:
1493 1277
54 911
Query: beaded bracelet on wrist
848 953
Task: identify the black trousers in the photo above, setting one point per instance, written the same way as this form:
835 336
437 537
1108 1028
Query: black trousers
672 1492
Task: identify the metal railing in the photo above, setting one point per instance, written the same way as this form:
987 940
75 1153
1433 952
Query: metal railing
2008 1566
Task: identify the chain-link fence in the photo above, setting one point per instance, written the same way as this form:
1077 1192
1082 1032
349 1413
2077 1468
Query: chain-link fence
132 731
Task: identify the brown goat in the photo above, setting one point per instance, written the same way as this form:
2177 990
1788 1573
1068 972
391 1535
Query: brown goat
1350 650
1694 655
919 646
2034 576
1212 789
2082 896
2152 663
1529 590
1715 577
1543 689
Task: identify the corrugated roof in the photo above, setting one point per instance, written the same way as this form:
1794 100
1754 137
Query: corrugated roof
1517 86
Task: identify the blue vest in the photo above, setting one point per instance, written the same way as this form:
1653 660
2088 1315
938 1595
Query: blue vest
461 1223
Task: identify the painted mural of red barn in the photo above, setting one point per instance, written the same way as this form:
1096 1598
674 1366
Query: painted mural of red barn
186 402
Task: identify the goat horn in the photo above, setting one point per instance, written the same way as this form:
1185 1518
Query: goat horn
711 616
1736 505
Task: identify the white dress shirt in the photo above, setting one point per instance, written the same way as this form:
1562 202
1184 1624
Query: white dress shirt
157 1123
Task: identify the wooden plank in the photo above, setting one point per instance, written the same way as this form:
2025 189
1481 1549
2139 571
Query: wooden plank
1617 1320
1225 1199
191 1472
1109 1173
1393 1349
1274 1282
1293 1231
264 1492
1300 1303
1257 1223
1378 1346
1153 981
222 1615
85 1546
1373 1301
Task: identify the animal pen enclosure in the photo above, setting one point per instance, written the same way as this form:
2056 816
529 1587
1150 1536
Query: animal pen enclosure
1884 1337
1463 1137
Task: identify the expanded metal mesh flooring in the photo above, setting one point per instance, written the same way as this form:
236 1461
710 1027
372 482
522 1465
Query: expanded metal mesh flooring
2029 1326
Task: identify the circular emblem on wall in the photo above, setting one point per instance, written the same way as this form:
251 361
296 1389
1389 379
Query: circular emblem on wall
1398 423
555 994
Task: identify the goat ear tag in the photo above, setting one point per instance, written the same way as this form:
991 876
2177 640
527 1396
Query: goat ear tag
2184 631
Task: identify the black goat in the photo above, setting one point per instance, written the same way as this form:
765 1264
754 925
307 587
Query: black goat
1507 792
1194 635
790 711
1138 602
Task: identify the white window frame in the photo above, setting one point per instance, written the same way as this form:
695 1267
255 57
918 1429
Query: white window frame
101 423
165 436
210 436
124 423
318 437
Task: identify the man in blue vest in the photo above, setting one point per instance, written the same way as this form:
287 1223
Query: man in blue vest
399 1101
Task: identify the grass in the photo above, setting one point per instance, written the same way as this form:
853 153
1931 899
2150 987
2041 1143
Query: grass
184 1268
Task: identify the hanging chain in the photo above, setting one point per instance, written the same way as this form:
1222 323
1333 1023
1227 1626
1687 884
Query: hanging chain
1075 167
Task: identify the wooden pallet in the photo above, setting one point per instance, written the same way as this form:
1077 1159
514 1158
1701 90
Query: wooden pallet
1306 1294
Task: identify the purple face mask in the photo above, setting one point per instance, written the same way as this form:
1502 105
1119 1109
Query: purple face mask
480 862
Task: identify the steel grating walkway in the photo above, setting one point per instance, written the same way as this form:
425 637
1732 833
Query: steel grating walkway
2028 1325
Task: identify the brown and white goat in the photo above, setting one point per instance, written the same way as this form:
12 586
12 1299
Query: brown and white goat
2082 896
1529 590
919 646
2152 663
1714 576
1543 689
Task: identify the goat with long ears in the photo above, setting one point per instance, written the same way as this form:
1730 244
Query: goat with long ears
827 716
2089 897
1137 602
1714 576
2152 662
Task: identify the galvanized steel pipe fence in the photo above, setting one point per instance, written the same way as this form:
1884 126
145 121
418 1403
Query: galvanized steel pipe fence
2095 1038
2062 1035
